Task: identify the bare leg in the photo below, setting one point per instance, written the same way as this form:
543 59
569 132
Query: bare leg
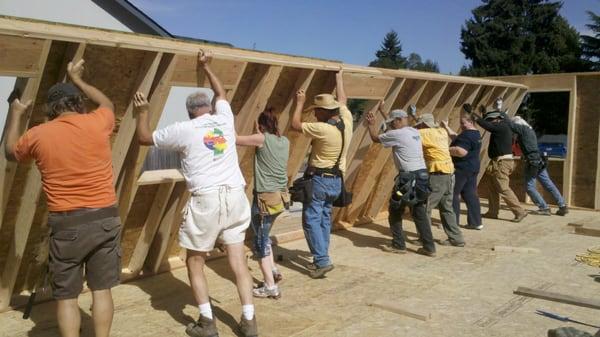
266 266
102 312
237 260
69 318
195 265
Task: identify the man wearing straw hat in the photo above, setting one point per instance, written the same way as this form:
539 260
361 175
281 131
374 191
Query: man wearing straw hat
331 135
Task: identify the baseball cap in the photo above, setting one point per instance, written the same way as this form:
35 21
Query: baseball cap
61 90
428 120
398 113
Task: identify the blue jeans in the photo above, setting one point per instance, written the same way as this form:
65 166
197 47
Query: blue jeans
465 186
531 175
316 217
261 224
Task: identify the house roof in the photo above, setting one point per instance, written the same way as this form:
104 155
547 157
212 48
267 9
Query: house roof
132 17
136 20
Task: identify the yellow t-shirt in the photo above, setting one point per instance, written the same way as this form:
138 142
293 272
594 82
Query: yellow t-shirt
326 143
436 150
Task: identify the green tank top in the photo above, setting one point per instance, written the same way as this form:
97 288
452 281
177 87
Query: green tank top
270 164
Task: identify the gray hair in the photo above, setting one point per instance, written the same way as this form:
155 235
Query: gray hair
197 100
520 121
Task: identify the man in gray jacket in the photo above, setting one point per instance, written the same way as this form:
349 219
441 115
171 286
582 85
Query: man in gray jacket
535 169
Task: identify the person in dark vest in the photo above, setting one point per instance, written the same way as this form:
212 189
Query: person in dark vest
536 169
501 165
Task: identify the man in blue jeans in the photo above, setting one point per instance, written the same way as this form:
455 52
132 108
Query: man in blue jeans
535 169
326 165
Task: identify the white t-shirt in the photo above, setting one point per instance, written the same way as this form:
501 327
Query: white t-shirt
407 147
207 144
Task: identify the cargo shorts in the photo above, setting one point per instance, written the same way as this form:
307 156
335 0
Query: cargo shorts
81 244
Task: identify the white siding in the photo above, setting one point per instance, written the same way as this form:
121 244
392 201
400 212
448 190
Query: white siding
78 12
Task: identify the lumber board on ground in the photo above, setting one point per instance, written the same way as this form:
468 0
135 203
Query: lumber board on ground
557 297
393 306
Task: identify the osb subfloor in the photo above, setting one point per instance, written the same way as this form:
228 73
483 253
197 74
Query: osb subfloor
467 291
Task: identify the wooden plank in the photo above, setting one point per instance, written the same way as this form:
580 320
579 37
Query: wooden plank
588 229
186 73
20 56
509 249
160 177
149 230
169 225
39 29
557 297
232 91
369 87
29 89
74 52
302 82
392 306
23 222
124 137
159 93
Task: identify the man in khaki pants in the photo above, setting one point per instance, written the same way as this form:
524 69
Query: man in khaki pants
501 165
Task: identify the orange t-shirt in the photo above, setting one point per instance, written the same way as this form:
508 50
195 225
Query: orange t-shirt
74 157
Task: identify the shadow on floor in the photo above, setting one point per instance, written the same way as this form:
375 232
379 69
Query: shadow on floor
43 315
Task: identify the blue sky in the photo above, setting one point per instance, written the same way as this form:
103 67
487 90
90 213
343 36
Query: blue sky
346 30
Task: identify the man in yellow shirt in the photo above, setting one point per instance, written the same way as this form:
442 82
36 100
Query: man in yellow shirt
334 121
436 150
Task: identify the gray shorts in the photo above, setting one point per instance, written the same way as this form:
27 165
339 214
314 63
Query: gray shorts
81 243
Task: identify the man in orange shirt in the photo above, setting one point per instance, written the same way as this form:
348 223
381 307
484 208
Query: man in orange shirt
72 152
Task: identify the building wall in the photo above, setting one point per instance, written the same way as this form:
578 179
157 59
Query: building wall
78 12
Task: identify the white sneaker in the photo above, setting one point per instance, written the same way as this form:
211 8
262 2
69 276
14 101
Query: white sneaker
266 292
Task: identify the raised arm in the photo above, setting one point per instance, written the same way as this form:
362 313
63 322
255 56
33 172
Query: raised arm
13 125
297 116
204 58
339 87
142 124
75 72
373 132
451 133
257 139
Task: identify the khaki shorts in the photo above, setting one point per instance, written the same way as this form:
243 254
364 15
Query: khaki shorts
92 247
221 214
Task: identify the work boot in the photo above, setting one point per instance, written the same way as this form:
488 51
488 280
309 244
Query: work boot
393 249
489 216
311 266
520 217
321 271
204 327
266 292
562 211
449 242
545 212
426 252
248 328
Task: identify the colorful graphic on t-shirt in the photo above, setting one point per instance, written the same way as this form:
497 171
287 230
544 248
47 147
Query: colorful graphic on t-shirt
215 141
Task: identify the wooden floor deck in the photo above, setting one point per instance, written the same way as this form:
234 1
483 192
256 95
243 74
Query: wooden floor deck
467 291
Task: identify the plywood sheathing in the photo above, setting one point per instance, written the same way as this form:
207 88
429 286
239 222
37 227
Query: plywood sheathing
120 64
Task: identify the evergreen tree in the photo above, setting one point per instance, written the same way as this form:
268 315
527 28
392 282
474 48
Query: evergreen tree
415 62
390 54
517 37
591 43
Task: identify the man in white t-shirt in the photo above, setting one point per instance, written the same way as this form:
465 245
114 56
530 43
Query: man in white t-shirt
218 208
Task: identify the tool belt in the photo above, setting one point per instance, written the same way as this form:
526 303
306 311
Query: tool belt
271 203
410 188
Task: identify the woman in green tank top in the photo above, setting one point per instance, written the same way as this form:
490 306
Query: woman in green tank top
270 194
